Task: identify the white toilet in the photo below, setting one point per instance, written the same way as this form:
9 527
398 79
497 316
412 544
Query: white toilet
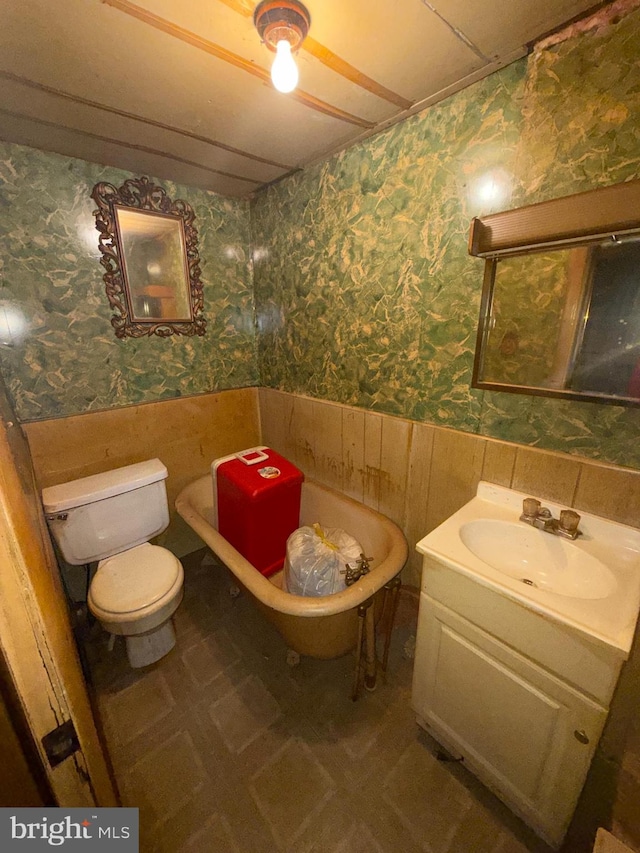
110 517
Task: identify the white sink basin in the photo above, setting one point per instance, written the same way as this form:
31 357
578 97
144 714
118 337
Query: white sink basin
591 584
538 559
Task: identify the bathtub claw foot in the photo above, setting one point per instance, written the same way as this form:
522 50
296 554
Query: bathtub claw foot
234 591
293 658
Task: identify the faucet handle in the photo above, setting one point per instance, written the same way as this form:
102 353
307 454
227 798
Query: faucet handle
569 521
530 507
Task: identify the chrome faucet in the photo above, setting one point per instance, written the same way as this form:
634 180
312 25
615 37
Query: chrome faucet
354 572
540 516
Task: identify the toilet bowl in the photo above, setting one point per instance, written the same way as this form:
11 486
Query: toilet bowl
109 518
134 594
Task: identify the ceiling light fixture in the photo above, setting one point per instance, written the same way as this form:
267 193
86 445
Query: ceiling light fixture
283 26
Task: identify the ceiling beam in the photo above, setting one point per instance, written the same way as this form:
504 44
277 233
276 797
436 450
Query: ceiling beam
333 61
220 52
77 99
130 145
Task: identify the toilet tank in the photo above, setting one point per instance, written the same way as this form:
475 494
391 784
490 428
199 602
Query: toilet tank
97 516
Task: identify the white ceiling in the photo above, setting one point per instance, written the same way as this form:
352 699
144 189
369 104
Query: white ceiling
180 90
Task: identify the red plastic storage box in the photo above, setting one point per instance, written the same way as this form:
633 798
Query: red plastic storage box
256 497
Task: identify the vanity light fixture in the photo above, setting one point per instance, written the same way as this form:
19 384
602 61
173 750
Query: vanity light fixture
283 26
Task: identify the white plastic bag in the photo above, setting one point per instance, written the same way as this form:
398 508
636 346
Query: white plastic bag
316 560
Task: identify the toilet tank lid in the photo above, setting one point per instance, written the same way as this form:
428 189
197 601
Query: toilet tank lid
97 487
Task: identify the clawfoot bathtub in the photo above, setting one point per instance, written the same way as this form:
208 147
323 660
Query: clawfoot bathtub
323 627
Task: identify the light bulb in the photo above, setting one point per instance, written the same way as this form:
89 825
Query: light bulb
284 71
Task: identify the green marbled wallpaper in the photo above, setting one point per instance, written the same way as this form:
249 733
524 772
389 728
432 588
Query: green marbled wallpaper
364 289
69 360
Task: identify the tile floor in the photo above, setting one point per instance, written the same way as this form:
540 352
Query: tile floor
223 747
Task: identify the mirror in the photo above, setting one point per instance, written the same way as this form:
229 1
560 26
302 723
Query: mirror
149 248
560 313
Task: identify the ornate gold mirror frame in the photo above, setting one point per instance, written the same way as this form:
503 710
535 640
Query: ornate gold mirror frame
149 248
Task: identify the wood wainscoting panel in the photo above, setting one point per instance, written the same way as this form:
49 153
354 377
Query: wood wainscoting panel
187 434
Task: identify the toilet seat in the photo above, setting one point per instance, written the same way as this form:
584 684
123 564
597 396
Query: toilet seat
140 579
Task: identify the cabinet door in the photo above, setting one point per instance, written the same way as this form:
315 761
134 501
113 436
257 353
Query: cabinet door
523 732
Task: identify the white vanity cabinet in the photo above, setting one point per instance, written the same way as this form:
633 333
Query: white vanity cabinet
521 638
522 700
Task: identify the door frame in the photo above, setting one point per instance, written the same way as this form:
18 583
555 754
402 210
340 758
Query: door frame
36 638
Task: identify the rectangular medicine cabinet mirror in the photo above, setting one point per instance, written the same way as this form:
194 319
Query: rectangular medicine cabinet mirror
561 316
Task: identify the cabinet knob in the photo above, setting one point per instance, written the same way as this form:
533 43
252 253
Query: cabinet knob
581 736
